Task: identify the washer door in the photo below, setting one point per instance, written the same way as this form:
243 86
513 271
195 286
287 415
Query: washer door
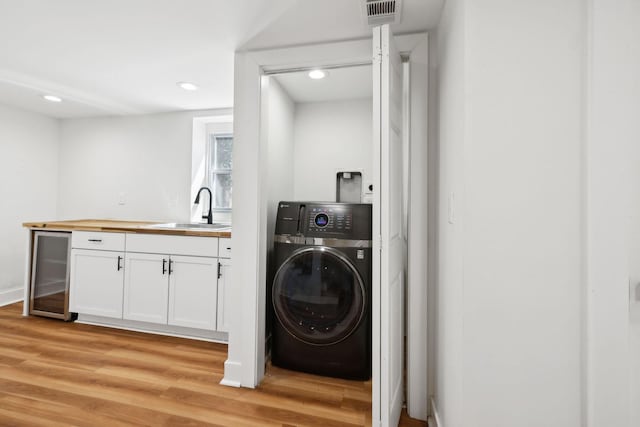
318 296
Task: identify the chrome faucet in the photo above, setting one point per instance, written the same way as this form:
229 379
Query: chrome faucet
197 201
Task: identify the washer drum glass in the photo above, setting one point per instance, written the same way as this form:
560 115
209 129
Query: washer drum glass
318 296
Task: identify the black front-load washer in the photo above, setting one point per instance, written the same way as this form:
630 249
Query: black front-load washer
321 289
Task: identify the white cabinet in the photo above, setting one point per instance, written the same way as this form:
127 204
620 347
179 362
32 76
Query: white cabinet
171 289
177 288
97 275
169 282
224 247
98 240
224 284
193 292
96 282
179 245
146 286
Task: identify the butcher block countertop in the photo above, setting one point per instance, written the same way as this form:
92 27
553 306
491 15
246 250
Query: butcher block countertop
108 225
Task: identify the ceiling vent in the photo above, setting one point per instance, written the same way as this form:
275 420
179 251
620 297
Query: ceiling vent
378 12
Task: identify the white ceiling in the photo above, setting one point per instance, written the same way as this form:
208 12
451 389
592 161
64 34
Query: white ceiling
340 84
122 57
310 21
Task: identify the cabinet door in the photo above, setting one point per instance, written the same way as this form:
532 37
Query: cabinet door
96 282
224 284
193 292
224 247
50 274
145 287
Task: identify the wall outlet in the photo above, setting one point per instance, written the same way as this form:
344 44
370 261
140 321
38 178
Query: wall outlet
122 198
368 188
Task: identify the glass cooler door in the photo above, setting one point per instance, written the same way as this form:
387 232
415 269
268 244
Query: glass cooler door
50 274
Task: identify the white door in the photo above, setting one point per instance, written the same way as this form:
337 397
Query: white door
146 286
224 282
96 284
388 300
193 292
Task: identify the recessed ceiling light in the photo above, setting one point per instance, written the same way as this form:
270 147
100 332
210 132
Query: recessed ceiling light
187 86
52 98
317 74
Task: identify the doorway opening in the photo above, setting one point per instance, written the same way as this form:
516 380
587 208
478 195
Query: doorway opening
316 129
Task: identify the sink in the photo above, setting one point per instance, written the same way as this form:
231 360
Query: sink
190 226
214 226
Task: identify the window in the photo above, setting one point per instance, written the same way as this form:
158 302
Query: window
219 165
211 165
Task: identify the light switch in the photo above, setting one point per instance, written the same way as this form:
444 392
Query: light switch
122 198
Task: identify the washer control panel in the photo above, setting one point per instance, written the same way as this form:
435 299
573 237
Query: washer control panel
329 219
326 220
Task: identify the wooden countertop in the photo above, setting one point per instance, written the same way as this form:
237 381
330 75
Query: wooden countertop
109 225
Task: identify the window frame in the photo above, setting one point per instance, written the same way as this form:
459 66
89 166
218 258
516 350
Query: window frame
210 171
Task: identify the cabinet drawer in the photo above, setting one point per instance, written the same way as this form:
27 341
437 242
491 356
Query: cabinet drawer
97 240
224 248
175 245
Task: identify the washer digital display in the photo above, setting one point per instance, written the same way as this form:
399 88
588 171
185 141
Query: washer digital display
321 220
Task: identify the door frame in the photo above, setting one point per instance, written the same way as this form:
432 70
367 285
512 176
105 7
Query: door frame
244 366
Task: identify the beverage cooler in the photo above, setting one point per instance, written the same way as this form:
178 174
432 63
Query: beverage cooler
50 275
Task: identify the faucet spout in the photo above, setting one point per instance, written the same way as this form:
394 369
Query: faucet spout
209 217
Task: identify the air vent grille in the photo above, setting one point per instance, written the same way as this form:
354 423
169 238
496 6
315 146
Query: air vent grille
380 12
381 8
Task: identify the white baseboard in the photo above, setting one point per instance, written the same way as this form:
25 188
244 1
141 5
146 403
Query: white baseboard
232 374
230 383
434 419
9 296
154 328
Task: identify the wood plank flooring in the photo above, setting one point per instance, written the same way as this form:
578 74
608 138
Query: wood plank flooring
54 373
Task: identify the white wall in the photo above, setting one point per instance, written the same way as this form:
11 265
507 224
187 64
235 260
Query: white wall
448 301
331 136
613 136
280 148
523 247
29 175
245 363
144 159
509 295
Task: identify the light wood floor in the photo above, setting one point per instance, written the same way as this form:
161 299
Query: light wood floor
54 373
